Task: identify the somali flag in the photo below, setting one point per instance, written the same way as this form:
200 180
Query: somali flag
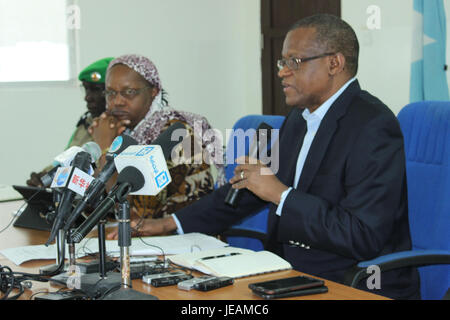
428 68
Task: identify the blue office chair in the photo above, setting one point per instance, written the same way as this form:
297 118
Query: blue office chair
426 129
250 233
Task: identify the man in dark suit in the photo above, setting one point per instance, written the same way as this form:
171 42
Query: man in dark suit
339 196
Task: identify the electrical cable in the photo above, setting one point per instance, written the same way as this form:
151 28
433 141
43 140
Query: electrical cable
9 282
18 210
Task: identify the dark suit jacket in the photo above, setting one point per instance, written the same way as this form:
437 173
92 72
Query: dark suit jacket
350 204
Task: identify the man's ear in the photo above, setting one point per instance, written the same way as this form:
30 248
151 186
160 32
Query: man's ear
336 63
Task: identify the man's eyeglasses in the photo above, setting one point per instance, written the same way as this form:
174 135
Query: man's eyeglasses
294 63
128 94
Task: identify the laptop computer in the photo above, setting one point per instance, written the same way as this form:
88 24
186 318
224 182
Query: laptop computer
39 204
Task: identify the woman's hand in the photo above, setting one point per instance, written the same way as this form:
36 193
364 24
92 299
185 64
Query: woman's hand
106 128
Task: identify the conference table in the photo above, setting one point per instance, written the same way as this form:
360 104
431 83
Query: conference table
13 237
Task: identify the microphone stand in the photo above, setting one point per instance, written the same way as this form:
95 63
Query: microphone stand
125 291
98 284
71 245
52 269
102 248
87 281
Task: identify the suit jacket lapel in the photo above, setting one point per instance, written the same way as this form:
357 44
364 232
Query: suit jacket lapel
324 135
296 130
292 165
289 148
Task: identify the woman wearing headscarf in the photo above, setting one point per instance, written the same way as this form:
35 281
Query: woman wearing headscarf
136 101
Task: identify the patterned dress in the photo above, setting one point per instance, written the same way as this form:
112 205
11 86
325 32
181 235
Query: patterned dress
191 179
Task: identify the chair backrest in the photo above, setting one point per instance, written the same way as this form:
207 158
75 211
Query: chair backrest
257 221
426 129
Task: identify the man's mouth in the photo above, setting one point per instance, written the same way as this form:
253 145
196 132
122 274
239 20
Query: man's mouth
286 87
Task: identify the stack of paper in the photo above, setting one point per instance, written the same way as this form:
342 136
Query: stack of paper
7 193
177 244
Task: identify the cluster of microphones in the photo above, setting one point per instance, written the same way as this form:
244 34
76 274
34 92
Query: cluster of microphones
141 170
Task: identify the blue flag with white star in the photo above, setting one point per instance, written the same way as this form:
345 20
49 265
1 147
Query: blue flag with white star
428 68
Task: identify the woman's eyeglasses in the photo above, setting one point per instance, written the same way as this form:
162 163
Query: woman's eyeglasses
128 94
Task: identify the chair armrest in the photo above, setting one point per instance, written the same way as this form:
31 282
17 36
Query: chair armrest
447 295
240 232
413 258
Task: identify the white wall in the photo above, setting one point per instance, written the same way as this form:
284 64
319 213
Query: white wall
385 53
208 55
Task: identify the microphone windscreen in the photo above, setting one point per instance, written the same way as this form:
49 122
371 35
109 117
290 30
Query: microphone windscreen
263 130
166 141
120 143
93 149
259 144
82 161
133 176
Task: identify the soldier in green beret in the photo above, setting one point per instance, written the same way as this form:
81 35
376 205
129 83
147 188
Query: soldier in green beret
93 80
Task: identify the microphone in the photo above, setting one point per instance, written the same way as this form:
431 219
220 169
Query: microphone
166 141
150 161
258 144
142 170
96 188
129 180
64 159
47 178
82 161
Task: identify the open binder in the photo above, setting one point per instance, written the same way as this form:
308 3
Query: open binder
231 262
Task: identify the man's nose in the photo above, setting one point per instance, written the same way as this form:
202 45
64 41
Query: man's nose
284 72
88 97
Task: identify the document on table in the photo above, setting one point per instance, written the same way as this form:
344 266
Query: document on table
7 193
176 244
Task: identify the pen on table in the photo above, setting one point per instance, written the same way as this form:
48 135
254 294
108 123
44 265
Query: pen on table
221 256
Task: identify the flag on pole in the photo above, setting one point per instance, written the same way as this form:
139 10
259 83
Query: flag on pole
428 68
